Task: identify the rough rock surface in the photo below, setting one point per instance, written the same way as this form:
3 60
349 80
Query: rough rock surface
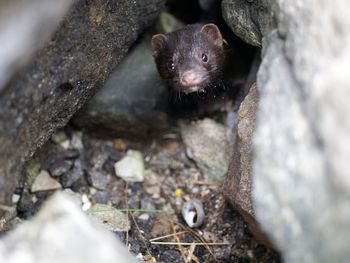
209 144
61 233
89 44
301 176
109 217
19 38
250 20
238 183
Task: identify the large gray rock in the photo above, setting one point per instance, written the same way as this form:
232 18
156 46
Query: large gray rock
239 182
209 145
133 100
89 44
302 141
61 232
24 26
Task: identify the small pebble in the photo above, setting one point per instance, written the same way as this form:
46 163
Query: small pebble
144 217
98 180
65 144
15 198
60 167
59 137
77 141
86 206
131 167
44 182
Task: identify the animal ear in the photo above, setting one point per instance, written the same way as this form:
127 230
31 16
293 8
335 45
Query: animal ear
157 44
213 32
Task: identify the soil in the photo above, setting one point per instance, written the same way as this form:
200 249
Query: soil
171 179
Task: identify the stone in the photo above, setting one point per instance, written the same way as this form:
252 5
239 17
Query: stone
207 4
301 144
21 38
109 217
250 20
101 197
131 167
59 167
132 101
44 182
61 232
77 141
209 144
71 154
88 45
15 198
98 179
11 224
72 176
238 183
59 137
25 203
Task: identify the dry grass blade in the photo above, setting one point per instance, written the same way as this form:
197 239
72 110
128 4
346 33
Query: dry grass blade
127 206
190 253
140 234
206 182
188 244
177 239
200 239
170 235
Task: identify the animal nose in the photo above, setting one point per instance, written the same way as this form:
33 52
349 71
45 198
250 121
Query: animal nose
190 78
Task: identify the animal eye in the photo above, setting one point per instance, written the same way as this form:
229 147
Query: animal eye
171 65
204 58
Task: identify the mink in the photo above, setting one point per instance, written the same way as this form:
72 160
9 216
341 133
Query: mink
197 58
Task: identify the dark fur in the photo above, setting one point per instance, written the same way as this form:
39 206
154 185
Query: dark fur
185 47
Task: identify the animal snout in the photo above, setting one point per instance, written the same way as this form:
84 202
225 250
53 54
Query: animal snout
190 78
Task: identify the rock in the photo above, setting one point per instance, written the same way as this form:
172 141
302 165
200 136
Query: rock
206 4
109 217
71 154
9 225
131 167
167 23
72 176
108 166
65 73
98 180
147 203
61 233
60 167
132 101
101 197
77 141
151 184
25 203
238 183
20 38
301 144
59 137
209 144
249 20
44 182
86 203
15 198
